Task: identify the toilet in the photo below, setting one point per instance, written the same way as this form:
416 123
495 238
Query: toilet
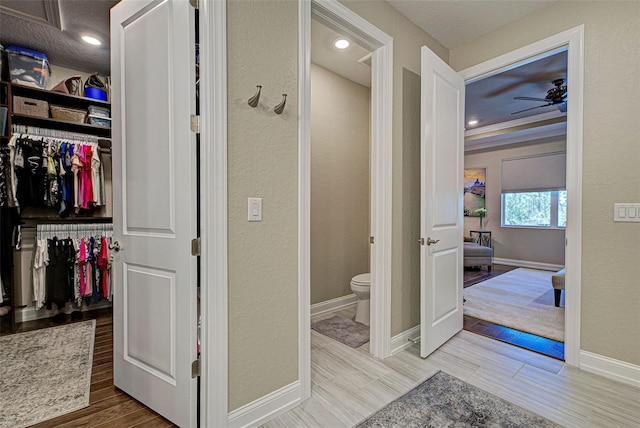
361 287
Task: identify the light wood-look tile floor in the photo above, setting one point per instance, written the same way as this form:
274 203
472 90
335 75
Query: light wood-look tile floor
348 385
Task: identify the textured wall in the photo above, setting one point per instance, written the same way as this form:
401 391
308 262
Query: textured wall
534 245
407 41
262 40
611 154
339 183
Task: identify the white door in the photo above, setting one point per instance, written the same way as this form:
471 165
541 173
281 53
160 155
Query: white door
442 161
154 192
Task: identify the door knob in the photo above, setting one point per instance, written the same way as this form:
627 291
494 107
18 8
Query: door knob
432 241
115 246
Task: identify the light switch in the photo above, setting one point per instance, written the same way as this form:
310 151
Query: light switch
627 212
255 209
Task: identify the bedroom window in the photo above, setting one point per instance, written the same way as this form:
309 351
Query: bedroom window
535 209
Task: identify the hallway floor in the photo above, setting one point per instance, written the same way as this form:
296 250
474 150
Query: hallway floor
348 385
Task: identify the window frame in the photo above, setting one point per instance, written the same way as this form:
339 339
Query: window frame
553 206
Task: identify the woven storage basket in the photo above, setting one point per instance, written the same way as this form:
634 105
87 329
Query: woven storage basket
68 114
30 107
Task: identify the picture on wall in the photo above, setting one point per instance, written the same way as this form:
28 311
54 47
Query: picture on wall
474 190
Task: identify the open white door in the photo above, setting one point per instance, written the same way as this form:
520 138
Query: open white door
154 192
442 163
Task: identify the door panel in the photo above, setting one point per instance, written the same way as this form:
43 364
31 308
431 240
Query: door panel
154 191
442 161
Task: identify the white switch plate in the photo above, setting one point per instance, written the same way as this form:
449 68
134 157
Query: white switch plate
255 209
626 212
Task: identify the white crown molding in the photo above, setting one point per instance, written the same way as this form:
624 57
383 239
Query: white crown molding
521 136
515 123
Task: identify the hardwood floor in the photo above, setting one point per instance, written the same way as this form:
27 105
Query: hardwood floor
348 385
108 406
541 345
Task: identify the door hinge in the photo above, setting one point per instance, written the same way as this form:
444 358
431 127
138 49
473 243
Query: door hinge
371 240
195 123
195 247
195 368
195 3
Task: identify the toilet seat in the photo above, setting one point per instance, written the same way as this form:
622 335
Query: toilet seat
364 279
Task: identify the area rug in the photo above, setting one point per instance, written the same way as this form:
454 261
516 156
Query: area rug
521 299
45 373
445 401
343 330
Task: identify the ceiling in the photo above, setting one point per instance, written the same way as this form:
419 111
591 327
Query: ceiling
454 23
54 27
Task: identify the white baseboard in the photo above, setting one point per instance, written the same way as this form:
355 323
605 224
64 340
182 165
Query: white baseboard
401 341
527 264
30 313
333 304
266 408
610 368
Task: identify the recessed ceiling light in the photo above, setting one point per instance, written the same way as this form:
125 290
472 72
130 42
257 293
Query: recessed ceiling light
341 43
472 122
91 40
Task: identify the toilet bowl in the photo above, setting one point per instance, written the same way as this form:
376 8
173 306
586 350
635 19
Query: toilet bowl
361 287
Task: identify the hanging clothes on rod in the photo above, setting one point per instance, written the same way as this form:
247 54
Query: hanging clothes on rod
49 168
72 262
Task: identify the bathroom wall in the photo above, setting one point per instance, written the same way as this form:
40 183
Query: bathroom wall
523 244
340 116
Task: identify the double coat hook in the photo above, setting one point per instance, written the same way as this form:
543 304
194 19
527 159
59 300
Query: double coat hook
253 101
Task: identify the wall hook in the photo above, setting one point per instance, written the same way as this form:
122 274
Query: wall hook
253 101
280 107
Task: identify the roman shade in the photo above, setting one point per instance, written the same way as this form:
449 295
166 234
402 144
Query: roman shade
538 173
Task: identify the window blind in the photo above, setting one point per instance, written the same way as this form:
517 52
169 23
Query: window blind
538 173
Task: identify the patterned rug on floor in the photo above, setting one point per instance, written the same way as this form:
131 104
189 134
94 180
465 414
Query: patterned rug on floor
45 373
343 330
446 401
521 299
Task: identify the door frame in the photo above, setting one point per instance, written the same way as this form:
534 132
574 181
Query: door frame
571 41
213 214
338 16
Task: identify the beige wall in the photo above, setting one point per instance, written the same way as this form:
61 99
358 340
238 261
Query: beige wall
532 245
339 183
262 43
611 154
407 41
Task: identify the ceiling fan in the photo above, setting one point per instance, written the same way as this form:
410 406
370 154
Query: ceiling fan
556 96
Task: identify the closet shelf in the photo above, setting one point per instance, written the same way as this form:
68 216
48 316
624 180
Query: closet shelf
63 125
56 97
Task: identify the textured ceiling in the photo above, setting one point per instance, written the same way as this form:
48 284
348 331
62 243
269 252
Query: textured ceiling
454 23
24 23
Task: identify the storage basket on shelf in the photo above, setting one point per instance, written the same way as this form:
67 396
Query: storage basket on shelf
30 107
68 114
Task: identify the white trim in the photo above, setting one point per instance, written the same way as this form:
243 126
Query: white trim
334 304
30 313
573 42
515 137
213 185
527 264
612 369
332 13
513 123
266 408
304 198
401 341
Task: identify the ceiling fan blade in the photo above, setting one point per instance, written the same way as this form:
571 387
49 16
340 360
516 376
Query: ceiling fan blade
542 100
532 108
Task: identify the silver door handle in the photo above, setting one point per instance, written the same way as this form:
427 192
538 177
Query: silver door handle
432 241
115 246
